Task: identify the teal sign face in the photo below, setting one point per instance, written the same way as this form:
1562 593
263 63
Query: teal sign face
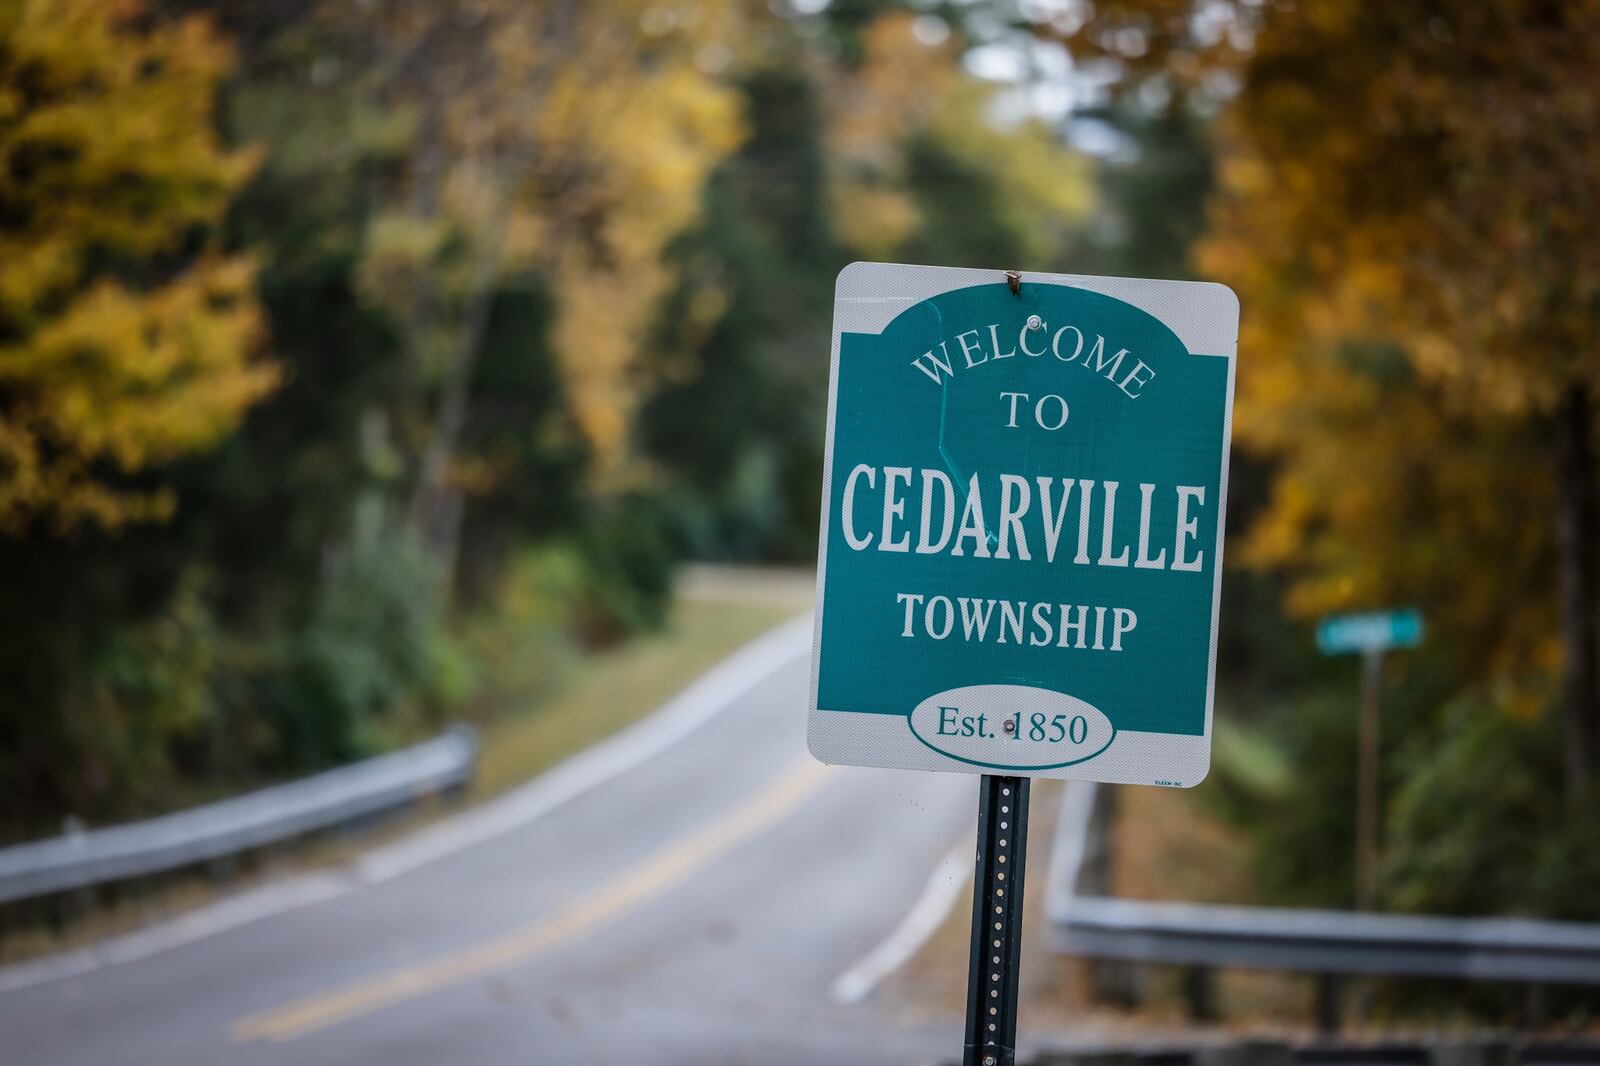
1022 527
1341 634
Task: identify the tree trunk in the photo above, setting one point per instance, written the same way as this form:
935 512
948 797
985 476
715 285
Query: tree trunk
436 508
1576 534
436 504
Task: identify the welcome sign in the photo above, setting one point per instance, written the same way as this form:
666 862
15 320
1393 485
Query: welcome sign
1022 520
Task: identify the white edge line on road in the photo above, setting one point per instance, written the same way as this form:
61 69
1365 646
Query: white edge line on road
945 886
950 877
703 700
714 692
1068 850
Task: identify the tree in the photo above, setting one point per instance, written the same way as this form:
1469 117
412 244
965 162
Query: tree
924 168
566 141
1421 175
869 143
1151 192
1437 185
127 334
734 417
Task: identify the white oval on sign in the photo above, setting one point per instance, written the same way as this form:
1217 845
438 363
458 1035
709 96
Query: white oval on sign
1012 727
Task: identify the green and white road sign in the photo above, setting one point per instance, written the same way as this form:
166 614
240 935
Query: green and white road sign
1340 634
1022 519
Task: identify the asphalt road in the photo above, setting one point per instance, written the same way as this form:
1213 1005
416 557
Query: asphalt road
694 908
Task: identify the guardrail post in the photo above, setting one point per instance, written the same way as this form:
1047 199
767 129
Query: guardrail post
1200 993
1329 1003
1532 1012
991 1034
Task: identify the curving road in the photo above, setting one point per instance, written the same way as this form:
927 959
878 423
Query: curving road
687 893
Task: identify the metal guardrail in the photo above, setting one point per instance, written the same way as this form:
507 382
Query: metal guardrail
1312 941
80 859
1318 941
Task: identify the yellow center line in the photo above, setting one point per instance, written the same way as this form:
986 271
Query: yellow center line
632 887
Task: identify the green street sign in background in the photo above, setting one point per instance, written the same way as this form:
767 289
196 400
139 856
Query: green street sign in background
1020 556
1375 631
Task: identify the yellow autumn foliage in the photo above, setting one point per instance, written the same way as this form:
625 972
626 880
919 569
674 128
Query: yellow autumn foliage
570 140
1406 209
1427 180
647 135
1406 206
111 361
904 89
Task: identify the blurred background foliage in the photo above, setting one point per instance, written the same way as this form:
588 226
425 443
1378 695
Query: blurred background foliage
357 355
383 318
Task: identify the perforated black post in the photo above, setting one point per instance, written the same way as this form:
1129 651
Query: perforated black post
997 922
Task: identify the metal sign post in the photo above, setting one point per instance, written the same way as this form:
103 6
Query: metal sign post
1020 555
997 922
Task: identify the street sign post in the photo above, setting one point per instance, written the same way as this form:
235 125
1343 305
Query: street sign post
1021 548
1370 635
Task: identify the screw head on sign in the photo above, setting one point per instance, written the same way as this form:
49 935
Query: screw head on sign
1011 726
1035 323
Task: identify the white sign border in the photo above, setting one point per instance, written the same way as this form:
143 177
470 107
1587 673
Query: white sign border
1207 324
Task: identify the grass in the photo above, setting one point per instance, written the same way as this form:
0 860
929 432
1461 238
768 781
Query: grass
1168 845
618 687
